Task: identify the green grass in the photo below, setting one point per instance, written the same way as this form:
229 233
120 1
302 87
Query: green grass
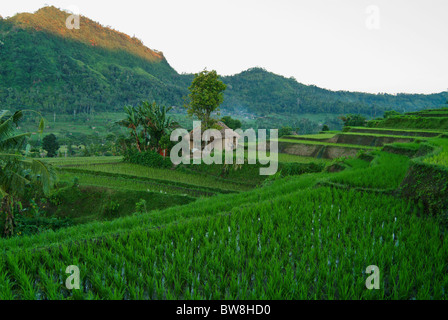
382 135
273 248
75 161
432 111
327 144
441 157
292 238
411 146
85 204
99 124
397 129
313 136
133 184
414 122
386 171
284 157
168 175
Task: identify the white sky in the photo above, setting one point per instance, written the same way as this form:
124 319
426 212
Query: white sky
321 42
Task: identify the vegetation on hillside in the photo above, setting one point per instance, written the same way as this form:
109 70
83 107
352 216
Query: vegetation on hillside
148 124
20 176
44 65
206 95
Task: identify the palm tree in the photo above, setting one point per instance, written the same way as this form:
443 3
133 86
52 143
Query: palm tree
156 122
17 171
132 121
148 123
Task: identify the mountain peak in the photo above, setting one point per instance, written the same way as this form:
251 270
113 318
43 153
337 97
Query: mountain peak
53 20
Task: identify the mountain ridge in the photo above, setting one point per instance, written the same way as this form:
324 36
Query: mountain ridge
54 71
53 20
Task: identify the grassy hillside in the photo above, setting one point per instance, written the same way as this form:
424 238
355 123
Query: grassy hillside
309 236
53 21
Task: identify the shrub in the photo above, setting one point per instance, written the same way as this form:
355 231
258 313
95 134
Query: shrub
147 158
140 207
33 225
296 168
111 209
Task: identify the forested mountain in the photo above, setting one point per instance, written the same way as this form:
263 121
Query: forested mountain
46 70
265 92
46 66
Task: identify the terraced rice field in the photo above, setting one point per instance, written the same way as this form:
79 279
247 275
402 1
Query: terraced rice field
399 132
237 247
326 144
441 156
159 175
134 184
287 158
75 161
321 136
301 237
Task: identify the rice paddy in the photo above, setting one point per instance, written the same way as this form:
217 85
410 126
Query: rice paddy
274 249
309 236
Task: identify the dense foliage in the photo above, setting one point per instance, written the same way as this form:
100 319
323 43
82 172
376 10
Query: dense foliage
147 158
206 95
20 176
148 125
50 144
355 120
231 123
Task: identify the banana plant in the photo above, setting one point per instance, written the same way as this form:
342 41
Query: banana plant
17 170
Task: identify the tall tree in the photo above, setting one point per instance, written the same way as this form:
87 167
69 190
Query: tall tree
207 93
51 145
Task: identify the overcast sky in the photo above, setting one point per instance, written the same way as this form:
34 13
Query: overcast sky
356 45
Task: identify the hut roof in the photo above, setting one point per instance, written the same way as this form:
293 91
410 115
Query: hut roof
222 129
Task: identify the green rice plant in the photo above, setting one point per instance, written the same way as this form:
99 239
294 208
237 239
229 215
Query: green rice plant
75 161
386 171
328 144
289 240
441 157
312 136
166 176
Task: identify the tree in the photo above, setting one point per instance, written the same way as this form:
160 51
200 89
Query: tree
353 120
155 121
284 131
391 113
18 171
325 128
51 145
231 123
148 123
207 93
132 122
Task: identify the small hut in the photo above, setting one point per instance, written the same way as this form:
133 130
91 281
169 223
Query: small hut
228 142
